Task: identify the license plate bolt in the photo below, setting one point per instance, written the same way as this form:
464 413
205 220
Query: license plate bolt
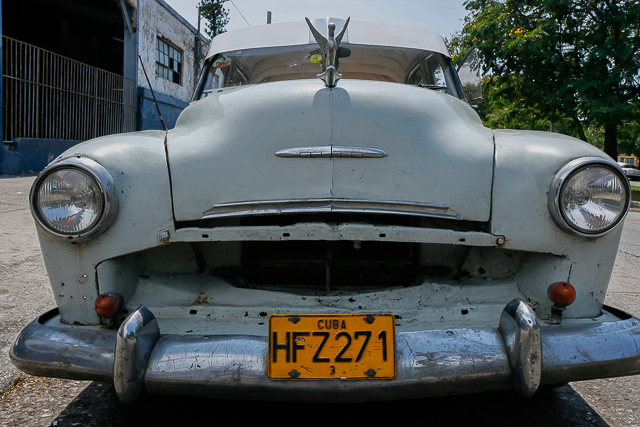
294 374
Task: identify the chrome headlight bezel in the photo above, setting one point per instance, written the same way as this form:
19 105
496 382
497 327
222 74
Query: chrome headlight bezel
103 181
569 170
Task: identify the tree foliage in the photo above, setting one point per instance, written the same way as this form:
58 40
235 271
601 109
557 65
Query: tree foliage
216 15
629 138
502 110
567 62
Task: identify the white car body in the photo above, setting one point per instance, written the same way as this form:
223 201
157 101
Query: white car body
630 170
283 176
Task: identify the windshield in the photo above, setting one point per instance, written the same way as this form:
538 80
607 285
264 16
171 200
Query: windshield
390 64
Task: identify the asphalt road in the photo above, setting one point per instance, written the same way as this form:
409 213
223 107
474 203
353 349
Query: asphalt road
28 401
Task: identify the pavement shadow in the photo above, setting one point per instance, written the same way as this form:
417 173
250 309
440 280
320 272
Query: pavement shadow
97 405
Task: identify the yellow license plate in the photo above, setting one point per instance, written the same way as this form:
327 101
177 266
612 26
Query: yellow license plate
322 347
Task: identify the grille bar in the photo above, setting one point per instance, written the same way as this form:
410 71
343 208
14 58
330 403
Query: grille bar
274 207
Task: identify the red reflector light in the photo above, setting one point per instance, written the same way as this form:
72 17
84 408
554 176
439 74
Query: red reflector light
106 305
562 294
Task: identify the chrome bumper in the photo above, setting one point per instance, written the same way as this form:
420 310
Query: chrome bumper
519 353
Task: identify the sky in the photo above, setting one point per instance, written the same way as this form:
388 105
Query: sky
441 16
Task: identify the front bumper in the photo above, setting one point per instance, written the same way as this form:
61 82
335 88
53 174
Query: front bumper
519 353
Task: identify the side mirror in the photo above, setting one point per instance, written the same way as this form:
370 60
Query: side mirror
470 76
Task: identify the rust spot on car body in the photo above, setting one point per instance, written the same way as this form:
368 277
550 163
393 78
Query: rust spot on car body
201 301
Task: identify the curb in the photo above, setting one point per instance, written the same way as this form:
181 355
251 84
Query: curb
635 205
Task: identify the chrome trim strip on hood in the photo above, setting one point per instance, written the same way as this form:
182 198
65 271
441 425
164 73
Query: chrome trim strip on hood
329 205
328 151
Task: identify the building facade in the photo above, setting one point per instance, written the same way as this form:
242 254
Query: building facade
73 70
172 56
630 159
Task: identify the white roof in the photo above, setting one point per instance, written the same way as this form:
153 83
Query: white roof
297 33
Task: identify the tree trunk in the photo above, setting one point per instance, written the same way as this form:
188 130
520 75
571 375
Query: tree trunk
611 140
579 128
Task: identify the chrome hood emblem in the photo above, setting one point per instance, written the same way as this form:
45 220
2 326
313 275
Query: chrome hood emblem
331 151
329 46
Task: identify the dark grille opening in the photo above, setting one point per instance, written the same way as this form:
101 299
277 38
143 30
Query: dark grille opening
330 265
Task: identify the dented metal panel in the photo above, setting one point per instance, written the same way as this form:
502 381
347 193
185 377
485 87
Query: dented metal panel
526 164
72 267
426 134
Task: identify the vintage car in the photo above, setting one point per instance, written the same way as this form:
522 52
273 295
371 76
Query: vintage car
630 170
330 220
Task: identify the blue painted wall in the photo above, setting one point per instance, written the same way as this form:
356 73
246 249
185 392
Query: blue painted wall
37 153
31 155
10 161
148 114
1 82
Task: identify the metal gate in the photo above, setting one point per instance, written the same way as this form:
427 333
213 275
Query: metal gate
47 95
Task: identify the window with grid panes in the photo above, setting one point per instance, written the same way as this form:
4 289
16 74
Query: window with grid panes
169 62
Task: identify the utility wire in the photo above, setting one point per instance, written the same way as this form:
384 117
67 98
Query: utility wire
219 3
245 19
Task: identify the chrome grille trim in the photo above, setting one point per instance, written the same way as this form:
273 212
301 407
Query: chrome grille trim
275 207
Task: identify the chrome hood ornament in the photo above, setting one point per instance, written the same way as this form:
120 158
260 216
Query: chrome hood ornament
329 46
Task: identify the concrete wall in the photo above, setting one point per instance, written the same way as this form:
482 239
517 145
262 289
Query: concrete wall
158 20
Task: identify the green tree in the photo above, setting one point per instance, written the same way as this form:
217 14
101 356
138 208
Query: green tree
216 15
504 108
457 47
629 138
562 61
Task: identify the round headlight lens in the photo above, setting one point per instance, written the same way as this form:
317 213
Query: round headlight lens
69 201
74 199
592 198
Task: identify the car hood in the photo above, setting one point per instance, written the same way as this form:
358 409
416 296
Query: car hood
223 149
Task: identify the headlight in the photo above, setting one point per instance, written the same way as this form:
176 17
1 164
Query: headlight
74 199
589 197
